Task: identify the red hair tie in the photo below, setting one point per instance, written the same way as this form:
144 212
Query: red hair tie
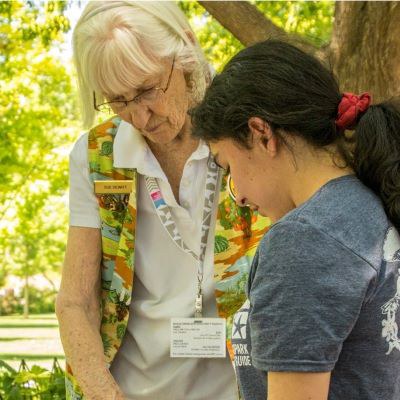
350 108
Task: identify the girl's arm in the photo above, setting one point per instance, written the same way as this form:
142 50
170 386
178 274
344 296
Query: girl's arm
298 385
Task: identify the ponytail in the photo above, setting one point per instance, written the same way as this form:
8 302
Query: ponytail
376 158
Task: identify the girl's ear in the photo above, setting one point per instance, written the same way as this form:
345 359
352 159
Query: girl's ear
263 136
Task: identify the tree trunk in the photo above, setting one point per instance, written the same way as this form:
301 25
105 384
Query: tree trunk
26 297
365 47
364 52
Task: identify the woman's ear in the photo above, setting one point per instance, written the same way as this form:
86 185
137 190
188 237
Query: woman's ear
262 135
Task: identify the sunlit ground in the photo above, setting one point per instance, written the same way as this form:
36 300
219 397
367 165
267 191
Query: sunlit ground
36 340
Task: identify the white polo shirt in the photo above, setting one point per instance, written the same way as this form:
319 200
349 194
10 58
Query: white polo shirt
165 279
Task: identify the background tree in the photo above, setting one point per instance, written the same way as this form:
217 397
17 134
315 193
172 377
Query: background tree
38 118
365 47
364 51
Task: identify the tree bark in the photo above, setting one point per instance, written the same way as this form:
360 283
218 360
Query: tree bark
365 47
26 297
364 52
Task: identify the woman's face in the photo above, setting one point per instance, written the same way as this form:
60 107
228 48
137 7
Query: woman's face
259 173
162 119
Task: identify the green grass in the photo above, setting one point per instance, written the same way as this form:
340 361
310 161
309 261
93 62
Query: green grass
30 326
32 316
27 325
13 339
30 357
34 321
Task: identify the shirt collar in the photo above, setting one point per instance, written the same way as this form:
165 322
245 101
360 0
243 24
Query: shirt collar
132 151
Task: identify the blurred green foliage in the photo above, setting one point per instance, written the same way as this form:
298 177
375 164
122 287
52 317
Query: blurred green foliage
218 44
311 19
38 117
42 301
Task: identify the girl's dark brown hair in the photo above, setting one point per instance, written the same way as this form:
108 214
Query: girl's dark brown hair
295 93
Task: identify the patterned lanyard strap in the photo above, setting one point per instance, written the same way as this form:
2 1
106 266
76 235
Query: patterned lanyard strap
164 213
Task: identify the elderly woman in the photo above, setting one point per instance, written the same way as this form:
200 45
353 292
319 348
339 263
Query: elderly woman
150 210
322 315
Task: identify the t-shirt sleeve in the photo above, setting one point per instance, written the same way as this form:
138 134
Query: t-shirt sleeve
306 292
83 205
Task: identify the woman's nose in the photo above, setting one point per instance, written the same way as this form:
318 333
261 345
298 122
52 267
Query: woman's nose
138 115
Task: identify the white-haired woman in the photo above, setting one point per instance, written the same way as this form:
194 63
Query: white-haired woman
142 203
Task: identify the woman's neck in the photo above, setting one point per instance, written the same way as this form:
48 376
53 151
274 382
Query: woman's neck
173 156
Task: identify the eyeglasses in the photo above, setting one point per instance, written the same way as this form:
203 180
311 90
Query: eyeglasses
147 97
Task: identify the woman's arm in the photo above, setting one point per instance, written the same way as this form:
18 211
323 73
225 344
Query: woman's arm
298 385
78 313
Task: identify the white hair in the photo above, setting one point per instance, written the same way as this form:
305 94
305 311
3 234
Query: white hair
111 36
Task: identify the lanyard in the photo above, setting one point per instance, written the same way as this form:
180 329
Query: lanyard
164 213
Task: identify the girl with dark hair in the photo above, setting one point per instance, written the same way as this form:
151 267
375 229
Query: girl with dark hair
322 316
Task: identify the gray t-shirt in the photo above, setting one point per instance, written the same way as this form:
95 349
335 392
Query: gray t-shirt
324 295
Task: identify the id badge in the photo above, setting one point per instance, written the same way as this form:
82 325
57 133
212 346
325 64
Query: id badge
113 186
198 337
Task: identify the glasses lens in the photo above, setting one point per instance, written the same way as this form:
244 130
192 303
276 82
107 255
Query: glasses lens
117 106
147 97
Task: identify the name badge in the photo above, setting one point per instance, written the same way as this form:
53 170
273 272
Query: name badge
198 337
114 186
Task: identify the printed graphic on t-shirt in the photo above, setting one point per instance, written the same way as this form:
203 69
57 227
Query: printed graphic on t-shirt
240 333
390 330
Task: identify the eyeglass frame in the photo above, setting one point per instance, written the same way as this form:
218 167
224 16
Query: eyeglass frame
126 102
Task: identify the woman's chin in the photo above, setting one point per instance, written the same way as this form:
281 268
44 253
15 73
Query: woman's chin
161 136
